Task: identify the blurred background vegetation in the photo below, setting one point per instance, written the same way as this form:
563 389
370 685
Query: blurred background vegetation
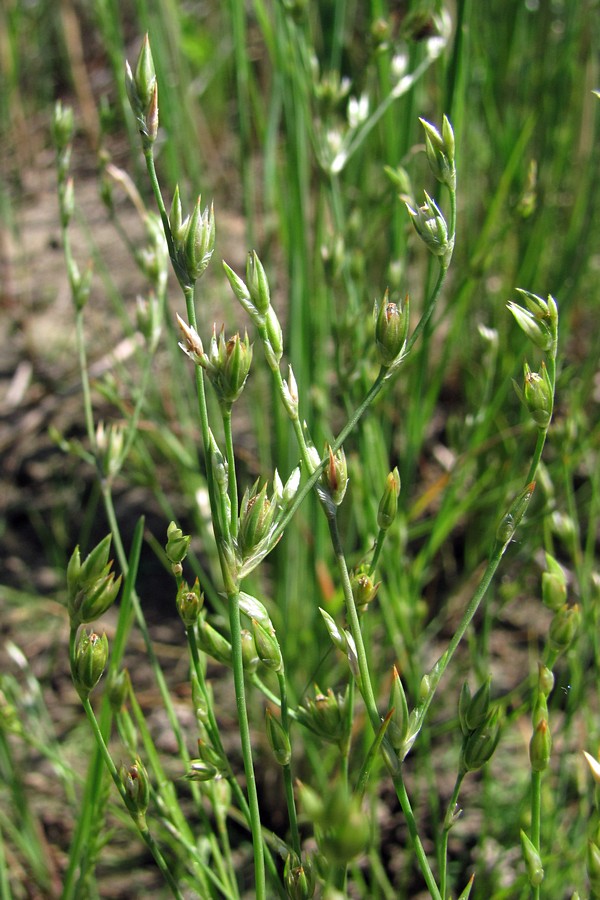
254 105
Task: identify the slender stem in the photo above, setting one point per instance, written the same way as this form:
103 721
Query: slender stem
441 665
345 749
139 821
231 473
85 381
242 76
366 689
411 824
213 732
536 812
378 548
149 158
364 677
158 673
175 814
240 697
287 769
448 822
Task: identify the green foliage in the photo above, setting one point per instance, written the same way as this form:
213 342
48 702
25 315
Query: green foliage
307 562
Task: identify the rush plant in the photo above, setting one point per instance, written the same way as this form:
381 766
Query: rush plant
350 495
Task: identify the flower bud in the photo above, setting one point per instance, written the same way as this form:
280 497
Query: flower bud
440 150
249 656
209 755
213 643
267 646
479 706
257 513
142 90
258 285
464 702
398 727
177 544
364 589
539 321
274 339
335 475
279 740
327 715
200 770
189 603
533 863
110 446
238 357
431 227
117 689
543 310
388 505
540 746
424 688
299 878
554 585
93 597
537 394
134 779
198 241
63 126
545 680
509 522
91 655
176 222
67 202
145 73
336 634
391 329
478 747
152 115
80 575
564 627
290 395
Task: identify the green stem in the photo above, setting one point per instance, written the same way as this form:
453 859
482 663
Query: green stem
378 548
441 665
171 807
448 822
366 689
232 477
240 697
287 770
536 813
139 821
85 381
213 732
237 12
